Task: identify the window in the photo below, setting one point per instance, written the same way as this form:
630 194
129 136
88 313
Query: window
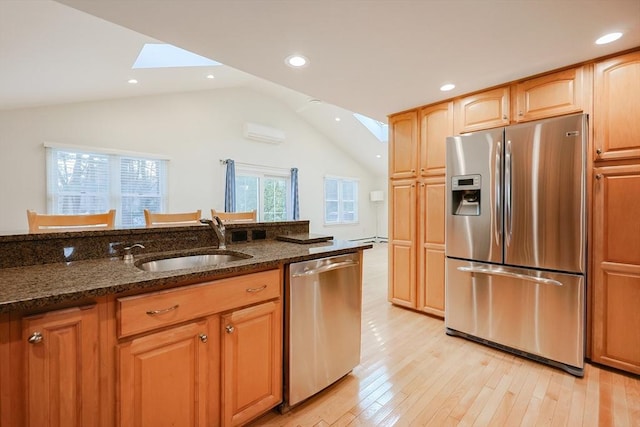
84 182
340 200
265 191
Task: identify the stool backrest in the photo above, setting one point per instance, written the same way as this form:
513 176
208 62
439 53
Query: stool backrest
39 223
159 219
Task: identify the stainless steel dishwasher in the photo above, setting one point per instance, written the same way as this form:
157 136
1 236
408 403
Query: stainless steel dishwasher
322 324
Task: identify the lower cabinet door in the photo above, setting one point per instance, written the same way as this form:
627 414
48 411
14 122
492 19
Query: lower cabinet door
61 368
169 378
251 362
616 267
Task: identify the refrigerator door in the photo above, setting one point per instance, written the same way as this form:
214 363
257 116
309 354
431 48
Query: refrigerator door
474 224
544 182
539 313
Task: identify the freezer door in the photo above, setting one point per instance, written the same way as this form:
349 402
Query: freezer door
540 313
475 232
544 181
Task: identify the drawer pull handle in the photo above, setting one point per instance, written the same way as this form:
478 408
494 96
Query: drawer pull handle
163 311
254 290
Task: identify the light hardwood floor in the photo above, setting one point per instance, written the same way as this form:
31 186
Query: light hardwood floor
412 373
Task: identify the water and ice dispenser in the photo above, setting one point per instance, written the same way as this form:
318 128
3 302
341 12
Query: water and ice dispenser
465 194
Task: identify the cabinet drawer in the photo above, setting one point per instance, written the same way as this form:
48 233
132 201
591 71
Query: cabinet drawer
141 313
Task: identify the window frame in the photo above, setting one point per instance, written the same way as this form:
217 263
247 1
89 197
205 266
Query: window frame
263 172
356 200
114 196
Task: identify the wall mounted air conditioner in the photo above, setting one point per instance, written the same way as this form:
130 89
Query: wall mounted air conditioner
261 133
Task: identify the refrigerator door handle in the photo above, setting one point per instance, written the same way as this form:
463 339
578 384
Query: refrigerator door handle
490 272
497 227
507 195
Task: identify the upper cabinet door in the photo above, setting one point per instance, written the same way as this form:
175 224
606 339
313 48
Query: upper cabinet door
551 95
436 124
403 145
484 110
616 108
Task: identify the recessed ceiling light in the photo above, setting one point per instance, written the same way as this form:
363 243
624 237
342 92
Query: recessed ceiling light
296 61
447 87
211 76
132 81
338 119
378 156
608 38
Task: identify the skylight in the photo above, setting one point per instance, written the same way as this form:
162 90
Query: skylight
377 128
157 55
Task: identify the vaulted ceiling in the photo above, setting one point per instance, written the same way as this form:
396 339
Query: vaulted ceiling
374 57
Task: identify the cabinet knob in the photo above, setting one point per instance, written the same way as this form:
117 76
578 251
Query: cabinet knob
203 337
35 338
598 176
504 117
520 113
598 151
413 171
229 329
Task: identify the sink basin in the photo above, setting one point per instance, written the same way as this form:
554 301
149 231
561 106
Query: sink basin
190 261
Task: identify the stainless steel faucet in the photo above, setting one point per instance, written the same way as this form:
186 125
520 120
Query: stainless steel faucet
128 256
218 227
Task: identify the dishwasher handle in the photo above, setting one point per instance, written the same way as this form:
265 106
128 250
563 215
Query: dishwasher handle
326 267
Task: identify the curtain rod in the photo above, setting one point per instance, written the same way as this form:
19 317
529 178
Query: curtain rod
224 162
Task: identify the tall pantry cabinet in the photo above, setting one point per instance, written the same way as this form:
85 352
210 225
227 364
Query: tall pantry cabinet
417 203
616 213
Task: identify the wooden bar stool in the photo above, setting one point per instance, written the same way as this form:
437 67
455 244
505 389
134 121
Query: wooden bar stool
160 219
250 216
42 223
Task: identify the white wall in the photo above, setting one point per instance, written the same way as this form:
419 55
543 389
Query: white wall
195 130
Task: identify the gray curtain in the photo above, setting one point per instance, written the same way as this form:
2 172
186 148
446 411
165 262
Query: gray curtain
230 187
294 193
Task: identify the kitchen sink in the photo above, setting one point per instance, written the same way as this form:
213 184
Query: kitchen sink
190 261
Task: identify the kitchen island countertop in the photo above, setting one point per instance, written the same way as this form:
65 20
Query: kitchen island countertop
35 287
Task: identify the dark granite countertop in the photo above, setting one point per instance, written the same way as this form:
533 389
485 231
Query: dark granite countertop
35 287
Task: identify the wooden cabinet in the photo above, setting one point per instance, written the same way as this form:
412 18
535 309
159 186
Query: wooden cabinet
403 145
436 124
251 362
402 243
564 92
551 95
416 220
170 351
615 281
61 368
171 377
616 275
431 263
484 110
616 109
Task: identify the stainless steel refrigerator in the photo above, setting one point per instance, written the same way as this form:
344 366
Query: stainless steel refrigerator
516 239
